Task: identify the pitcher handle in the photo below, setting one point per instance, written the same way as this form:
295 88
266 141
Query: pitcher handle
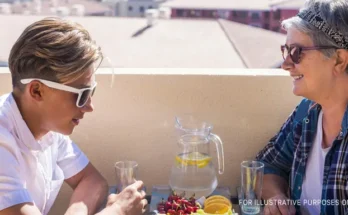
220 151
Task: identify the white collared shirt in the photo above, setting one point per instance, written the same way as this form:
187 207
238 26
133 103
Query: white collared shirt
30 170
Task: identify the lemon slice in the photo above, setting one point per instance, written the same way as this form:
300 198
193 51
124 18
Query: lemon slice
216 208
216 197
201 212
193 159
219 201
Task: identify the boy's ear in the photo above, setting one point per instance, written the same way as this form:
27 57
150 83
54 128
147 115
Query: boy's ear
36 90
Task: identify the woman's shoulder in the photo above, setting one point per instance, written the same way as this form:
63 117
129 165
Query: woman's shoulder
306 102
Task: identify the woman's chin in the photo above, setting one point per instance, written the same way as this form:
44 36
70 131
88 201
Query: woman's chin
297 92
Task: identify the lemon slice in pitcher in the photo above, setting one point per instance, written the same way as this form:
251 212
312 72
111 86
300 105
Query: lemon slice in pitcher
193 159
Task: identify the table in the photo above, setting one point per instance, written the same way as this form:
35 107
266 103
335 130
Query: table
163 191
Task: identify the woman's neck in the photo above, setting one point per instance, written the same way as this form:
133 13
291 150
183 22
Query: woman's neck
333 113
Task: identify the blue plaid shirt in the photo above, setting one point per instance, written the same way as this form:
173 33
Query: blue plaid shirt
287 153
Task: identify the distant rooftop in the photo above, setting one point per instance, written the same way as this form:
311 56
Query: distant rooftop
172 43
258 48
220 4
234 4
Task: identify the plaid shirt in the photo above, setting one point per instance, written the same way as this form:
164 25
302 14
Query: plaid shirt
287 153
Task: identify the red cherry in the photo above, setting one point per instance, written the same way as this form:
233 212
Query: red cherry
185 202
180 212
175 206
171 211
168 205
195 208
162 212
189 210
176 198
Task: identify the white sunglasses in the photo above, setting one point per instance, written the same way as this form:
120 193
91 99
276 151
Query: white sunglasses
83 94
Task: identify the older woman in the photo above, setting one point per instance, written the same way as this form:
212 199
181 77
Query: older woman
52 65
307 161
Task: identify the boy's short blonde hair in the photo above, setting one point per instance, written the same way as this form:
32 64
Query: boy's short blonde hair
53 49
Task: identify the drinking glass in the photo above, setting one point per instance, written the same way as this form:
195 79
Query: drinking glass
126 172
251 187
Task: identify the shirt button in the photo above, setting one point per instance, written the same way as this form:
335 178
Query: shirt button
307 120
299 187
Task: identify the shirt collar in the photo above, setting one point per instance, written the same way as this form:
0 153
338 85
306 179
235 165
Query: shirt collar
23 132
344 125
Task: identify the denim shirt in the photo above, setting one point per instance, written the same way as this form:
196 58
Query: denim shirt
287 154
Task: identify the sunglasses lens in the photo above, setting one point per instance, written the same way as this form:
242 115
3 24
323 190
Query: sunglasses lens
284 52
295 53
85 96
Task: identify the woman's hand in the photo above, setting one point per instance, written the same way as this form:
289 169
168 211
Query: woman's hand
276 206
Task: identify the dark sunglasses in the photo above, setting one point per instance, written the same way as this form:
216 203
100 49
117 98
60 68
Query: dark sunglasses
296 51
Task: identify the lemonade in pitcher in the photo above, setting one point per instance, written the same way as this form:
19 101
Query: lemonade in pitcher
200 178
193 171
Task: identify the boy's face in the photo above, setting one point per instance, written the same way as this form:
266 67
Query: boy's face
59 110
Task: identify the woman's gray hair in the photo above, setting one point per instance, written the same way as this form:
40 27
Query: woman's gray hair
334 12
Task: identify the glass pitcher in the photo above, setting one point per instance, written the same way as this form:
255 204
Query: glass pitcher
193 171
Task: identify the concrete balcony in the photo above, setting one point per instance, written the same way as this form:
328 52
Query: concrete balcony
134 119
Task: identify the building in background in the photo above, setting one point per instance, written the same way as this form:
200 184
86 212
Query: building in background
3 63
56 7
261 13
133 8
265 14
283 10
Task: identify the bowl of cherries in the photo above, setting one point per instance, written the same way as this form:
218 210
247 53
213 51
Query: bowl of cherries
178 205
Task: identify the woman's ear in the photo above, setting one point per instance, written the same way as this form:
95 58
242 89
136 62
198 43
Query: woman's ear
341 61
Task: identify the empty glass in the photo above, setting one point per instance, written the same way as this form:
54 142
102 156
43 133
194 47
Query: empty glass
126 172
251 187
